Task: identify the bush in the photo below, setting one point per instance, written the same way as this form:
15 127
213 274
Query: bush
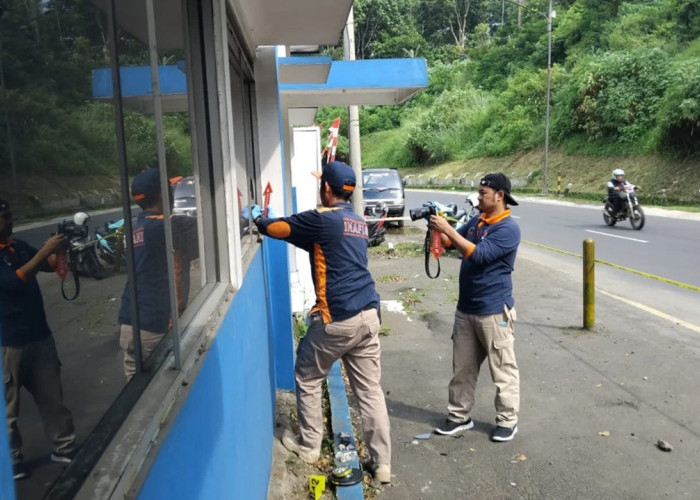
679 110
613 97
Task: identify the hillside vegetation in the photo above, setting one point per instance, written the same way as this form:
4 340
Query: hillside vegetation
625 91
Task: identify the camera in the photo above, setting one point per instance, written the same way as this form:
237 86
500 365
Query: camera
423 212
72 230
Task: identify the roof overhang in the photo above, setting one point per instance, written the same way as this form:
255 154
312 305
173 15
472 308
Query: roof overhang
354 83
305 83
137 91
263 22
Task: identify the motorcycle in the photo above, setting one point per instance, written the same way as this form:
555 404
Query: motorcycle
110 244
375 216
630 208
79 257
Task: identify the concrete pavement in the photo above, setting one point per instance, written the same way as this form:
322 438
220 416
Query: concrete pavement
631 379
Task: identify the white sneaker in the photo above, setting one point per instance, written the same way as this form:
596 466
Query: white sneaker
291 442
380 472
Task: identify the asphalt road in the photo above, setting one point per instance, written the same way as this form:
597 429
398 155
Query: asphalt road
666 247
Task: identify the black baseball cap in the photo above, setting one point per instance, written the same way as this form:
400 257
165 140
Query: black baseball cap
339 175
146 185
499 182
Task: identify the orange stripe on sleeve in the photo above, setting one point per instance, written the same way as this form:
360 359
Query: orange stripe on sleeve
21 275
279 229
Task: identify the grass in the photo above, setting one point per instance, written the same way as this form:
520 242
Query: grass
390 278
665 181
400 250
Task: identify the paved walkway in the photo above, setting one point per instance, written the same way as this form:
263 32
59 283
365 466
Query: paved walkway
593 404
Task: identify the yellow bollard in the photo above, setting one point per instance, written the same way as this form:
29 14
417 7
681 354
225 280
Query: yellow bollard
559 184
118 249
588 283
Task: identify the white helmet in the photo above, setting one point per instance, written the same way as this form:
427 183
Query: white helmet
617 172
80 218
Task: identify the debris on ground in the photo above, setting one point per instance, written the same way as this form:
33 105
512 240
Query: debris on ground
663 445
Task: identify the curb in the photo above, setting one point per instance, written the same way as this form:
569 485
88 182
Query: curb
340 422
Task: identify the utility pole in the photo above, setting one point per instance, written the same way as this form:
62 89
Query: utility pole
549 16
550 13
353 120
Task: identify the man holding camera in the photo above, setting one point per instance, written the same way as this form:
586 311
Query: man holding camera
485 316
29 357
344 322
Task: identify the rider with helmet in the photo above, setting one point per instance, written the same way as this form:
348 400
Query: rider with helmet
615 185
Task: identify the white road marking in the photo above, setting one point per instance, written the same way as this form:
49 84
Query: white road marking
616 236
655 312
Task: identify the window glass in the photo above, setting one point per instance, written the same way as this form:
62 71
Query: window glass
60 163
243 109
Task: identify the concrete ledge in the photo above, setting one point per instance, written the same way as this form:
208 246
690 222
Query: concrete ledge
340 421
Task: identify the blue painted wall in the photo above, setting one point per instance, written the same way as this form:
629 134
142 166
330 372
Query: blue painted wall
7 484
220 445
279 304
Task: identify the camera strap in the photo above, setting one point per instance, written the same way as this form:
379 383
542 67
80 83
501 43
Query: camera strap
426 249
73 266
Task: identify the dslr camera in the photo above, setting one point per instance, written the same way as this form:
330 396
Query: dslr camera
75 228
71 230
423 212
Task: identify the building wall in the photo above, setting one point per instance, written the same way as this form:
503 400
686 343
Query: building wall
220 445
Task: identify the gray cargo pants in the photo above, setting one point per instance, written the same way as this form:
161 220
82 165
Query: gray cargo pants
37 368
476 337
356 341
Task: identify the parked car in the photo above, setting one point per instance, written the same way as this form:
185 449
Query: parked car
184 196
384 186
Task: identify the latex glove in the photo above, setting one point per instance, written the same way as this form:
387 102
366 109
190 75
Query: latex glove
245 212
255 212
271 213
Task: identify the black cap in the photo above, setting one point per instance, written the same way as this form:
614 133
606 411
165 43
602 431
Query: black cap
499 182
146 185
339 175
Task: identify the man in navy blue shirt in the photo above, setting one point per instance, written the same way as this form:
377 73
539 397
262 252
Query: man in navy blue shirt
344 322
151 269
29 357
485 316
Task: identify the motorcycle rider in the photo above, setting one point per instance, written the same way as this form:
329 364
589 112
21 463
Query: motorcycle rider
615 186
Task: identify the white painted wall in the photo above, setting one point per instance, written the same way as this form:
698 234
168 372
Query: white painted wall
306 157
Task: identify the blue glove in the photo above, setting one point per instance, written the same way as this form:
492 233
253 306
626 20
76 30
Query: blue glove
271 213
255 212
245 212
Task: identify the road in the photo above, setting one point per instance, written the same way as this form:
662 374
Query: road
666 248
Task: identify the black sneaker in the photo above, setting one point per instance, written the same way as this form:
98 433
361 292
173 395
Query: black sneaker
501 434
450 427
19 471
64 457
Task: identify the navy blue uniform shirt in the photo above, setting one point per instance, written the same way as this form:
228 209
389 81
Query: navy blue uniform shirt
22 314
151 269
336 239
485 284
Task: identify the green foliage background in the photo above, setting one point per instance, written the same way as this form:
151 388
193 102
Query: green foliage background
625 80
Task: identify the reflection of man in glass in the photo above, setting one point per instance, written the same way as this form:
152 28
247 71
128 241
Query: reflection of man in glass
29 357
151 271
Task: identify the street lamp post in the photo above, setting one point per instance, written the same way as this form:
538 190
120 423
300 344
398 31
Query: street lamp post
550 15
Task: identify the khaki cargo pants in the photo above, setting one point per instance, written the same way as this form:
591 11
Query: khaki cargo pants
149 341
356 341
36 367
476 337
